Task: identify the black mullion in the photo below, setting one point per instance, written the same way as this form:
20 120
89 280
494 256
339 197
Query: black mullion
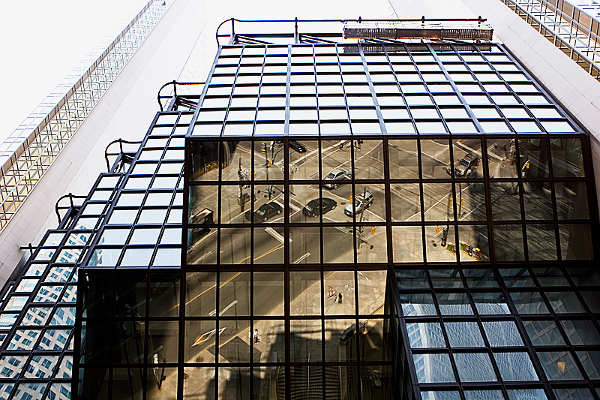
286 235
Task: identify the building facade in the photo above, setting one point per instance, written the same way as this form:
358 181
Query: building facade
330 216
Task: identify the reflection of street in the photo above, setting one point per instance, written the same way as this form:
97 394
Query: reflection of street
236 339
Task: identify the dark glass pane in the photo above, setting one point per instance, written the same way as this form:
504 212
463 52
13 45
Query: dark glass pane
541 242
505 201
567 160
508 240
490 303
529 303
581 332
454 304
534 158
537 199
559 365
571 200
543 333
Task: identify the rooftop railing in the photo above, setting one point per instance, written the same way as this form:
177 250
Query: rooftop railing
564 27
30 150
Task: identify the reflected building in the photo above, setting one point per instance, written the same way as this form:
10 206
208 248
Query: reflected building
331 216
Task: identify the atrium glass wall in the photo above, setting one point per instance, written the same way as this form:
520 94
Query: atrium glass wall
333 221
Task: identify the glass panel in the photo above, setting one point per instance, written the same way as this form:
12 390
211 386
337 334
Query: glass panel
204 160
340 299
508 240
501 155
234 341
305 293
305 245
454 304
446 278
235 246
373 343
464 334
591 363
502 333
372 244
368 159
467 158
405 202
559 365
543 333
408 243
490 303
234 294
164 295
268 160
515 367
537 200
541 242
529 303
268 341
435 158
304 159
433 368
417 304
575 241
505 201
425 335
440 243
567 160
581 332
339 246
268 293
474 367
437 201
534 158
305 340
403 159
200 293
200 341
565 302
371 291
269 245
571 200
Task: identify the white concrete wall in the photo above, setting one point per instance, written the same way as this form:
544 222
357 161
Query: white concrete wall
570 85
125 111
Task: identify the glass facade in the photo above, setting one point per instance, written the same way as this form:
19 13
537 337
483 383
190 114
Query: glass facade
339 221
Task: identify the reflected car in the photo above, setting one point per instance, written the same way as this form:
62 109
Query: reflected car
360 203
465 166
336 177
294 144
264 212
316 207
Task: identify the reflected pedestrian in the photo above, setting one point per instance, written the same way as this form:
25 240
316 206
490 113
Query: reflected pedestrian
339 298
256 337
330 291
